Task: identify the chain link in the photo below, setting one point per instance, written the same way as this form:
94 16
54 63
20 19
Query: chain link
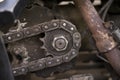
47 61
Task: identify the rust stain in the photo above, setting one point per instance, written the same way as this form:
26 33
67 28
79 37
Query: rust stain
104 42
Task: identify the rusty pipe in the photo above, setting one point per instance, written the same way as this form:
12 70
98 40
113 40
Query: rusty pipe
104 42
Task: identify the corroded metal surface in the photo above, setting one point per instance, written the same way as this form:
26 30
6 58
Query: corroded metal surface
81 77
104 41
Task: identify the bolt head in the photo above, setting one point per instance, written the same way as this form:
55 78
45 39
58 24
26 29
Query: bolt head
18 35
73 52
58 60
66 58
9 38
64 24
60 43
72 28
54 24
14 72
40 65
49 62
23 70
46 27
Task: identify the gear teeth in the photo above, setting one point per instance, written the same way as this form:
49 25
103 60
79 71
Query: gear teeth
42 39
46 51
43 47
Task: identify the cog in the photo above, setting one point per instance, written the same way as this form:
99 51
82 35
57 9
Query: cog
61 40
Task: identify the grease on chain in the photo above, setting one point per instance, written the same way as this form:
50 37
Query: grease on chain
47 61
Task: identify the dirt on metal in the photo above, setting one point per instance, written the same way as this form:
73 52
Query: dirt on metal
104 42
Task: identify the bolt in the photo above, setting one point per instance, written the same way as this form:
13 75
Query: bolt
72 28
23 70
73 52
14 72
58 60
40 65
9 38
49 62
77 44
46 27
27 32
64 24
66 58
54 24
18 35
60 43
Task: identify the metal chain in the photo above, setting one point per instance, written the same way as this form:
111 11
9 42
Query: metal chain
48 61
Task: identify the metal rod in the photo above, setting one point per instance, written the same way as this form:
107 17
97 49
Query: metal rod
104 42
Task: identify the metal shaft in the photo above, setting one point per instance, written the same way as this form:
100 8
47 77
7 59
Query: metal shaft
104 42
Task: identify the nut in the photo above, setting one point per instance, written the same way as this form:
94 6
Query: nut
60 43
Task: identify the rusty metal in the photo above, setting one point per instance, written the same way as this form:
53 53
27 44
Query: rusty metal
104 41
81 77
28 49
